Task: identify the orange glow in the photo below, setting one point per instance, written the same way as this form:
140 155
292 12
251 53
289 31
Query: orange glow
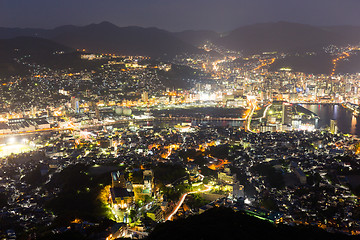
334 61
76 220
265 63
169 148
219 165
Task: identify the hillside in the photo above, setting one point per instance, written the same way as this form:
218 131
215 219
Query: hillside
106 37
312 64
223 223
280 36
197 38
36 49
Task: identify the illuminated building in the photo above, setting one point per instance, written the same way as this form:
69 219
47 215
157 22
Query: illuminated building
75 104
155 213
146 188
226 176
286 113
121 193
145 96
148 180
333 126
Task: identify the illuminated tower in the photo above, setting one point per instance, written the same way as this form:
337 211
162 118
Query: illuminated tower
333 126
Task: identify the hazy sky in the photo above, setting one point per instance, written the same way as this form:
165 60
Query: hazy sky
176 15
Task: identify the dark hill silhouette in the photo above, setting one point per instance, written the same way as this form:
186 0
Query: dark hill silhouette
197 37
21 46
314 64
317 64
223 223
280 36
348 34
34 48
7 33
108 38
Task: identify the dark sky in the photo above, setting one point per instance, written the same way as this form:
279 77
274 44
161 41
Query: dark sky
176 15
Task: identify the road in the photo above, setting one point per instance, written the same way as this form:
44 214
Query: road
182 199
343 55
265 111
249 116
264 63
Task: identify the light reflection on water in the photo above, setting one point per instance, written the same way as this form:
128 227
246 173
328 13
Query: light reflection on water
346 121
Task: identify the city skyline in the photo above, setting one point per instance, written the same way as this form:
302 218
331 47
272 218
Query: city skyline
112 128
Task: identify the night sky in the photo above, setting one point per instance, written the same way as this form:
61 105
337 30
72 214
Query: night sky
176 15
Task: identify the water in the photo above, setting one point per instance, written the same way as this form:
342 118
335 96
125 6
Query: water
347 123
201 112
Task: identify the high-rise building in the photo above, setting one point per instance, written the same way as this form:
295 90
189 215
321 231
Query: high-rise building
75 105
333 126
145 96
286 113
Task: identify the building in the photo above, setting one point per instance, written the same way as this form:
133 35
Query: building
194 172
41 123
145 96
118 179
148 181
75 104
333 126
155 213
286 113
121 194
238 190
144 188
226 177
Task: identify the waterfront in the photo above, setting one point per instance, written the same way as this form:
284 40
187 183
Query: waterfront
347 123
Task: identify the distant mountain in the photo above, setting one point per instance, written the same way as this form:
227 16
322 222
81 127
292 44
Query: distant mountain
36 49
197 37
257 38
348 34
106 37
21 46
7 33
311 64
280 36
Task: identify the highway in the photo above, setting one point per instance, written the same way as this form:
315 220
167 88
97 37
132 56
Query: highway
249 116
265 111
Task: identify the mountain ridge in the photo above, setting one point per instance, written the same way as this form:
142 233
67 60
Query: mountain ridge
107 37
